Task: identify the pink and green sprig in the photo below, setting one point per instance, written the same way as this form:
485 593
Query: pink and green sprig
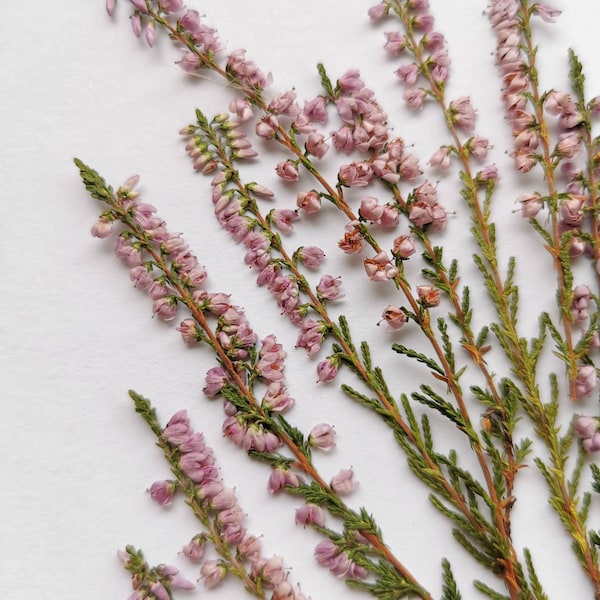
258 427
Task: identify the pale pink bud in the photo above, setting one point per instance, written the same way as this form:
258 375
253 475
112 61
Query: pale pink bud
287 170
177 582
356 174
140 5
285 103
311 256
310 514
390 216
267 127
350 81
250 548
189 331
463 113
189 62
136 24
379 268
343 483
260 190
102 228
110 7
315 110
408 74
433 40
546 12
150 34
585 382
531 204
212 572
327 370
329 288
404 247
158 590
556 102
216 380
316 145
171 6
429 296
378 11
592 444
178 428
569 144
322 436
395 42
414 98
310 202
394 316
488 173
325 552
283 218
241 108
281 478
478 147
440 158
163 492
370 209
585 427
165 308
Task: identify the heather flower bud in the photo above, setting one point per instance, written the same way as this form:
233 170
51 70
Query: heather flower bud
585 427
310 202
328 288
440 158
404 247
311 256
310 514
585 382
212 573
322 436
531 204
327 369
394 316
592 444
428 295
102 228
163 492
287 170
343 483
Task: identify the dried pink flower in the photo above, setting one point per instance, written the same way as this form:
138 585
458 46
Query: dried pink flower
344 483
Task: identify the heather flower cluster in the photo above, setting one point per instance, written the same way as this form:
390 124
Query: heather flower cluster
199 479
393 222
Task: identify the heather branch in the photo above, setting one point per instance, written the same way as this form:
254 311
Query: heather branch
201 509
217 145
239 390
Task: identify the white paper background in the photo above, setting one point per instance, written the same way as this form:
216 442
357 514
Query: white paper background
75 335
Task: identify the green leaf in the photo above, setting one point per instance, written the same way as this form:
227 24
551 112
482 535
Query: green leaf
94 184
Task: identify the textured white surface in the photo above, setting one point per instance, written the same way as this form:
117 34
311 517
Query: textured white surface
74 335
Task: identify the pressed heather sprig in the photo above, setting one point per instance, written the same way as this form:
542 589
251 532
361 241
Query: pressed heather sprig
250 375
215 506
358 174
257 427
505 296
151 582
427 296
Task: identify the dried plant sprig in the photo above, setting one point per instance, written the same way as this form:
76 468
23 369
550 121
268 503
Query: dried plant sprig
151 582
193 464
523 355
230 213
336 195
254 426
493 443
